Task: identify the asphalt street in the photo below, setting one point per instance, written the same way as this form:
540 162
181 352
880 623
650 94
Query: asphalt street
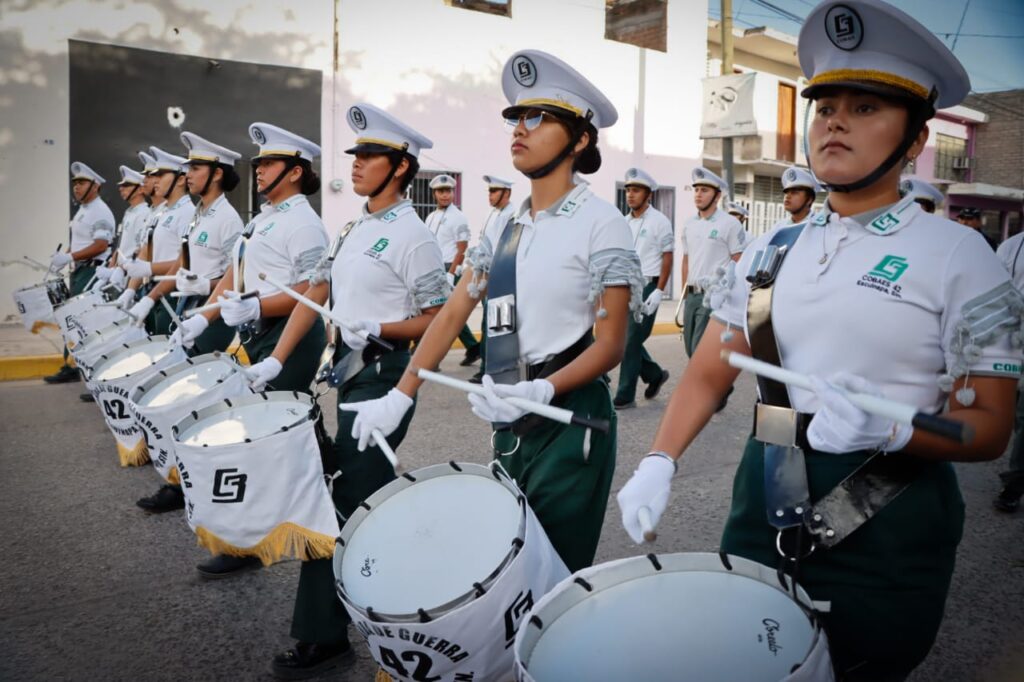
91 588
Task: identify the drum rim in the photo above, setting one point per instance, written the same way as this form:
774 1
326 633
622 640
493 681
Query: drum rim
143 388
79 297
196 416
569 593
121 325
492 471
109 358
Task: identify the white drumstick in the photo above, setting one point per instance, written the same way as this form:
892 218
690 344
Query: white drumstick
172 278
646 527
382 443
170 311
36 263
558 414
216 304
310 303
883 407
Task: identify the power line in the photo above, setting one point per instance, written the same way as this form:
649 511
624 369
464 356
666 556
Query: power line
980 35
785 14
963 16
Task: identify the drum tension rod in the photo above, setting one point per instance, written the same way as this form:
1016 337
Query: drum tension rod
455 466
536 622
424 616
584 584
480 591
409 476
653 558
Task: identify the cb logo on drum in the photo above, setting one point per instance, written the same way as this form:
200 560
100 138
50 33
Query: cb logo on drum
521 605
228 486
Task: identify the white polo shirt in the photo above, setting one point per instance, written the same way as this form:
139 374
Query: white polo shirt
710 243
900 301
1011 252
171 226
212 239
567 255
92 221
286 241
497 219
652 237
389 267
133 230
448 226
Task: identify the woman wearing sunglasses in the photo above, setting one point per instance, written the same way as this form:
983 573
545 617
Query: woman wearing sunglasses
564 265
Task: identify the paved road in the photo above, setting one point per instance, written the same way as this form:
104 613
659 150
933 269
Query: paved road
93 589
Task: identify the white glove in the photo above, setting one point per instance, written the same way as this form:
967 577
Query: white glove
103 274
653 301
718 293
353 339
236 311
492 407
840 426
190 330
59 260
190 283
138 269
451 278
383 414
118 278
649 487
126 298
262 373
142 308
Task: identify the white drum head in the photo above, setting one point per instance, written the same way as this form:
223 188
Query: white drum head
190 381
682 623
423 545
135 357
245 419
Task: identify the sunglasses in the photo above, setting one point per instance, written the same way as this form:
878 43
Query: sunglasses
531 119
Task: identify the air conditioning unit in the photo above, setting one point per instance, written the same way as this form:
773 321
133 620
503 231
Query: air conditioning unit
963 162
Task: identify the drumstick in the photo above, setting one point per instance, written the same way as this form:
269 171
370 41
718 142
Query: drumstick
310 303
173 278
216 304
646 527
170 311
382 443
558 414
33 261
883 407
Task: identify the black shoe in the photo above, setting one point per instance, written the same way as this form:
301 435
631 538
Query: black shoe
310 660
1006 502
477 378
86 397
652 388
168 498
622 404
65 375
472 355
225 566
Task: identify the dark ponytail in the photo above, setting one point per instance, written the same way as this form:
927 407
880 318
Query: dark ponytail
310 183
589 160
229 180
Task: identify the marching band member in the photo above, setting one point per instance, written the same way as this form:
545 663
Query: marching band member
799 189
563 266
653 240
168 224
923 193
386 276
285 240
132 226
451 229
738 212
907 305
1011 253
90 234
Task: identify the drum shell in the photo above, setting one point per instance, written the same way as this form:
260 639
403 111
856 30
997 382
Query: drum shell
89 321
265 498
155 422
670 638
36 303
104 342
471 637
66 313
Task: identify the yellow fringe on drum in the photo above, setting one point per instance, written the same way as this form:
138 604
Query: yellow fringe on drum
40 324
173 477
286 540
382 676
135 457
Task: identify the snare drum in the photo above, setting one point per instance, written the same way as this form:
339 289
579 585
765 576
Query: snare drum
103 342
438 569
67 312
91 320
112 379
674 617
35 303
253 481
171 394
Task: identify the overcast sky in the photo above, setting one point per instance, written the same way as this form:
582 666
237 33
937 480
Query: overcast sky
990 44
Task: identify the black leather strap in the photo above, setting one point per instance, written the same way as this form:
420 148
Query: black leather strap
502 359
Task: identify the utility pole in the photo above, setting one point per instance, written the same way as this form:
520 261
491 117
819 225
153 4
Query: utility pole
727 70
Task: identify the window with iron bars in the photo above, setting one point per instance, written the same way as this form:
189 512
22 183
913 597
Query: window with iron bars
423 197
948 148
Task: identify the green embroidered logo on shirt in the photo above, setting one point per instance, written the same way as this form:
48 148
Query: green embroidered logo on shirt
885 223
1006 367
380 245
267 229
890 268
714 234
201 241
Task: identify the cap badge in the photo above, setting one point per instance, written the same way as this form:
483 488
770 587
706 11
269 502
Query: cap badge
524 71
844 27
357 118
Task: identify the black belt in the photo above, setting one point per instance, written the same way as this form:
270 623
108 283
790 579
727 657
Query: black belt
693 289
541 370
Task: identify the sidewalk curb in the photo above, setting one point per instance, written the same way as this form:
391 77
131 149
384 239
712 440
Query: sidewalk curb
20 367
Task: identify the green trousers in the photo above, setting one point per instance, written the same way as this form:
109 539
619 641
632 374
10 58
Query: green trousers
299 370
218 336
695 321
637 363
566 473
318 615
77 281
887 582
